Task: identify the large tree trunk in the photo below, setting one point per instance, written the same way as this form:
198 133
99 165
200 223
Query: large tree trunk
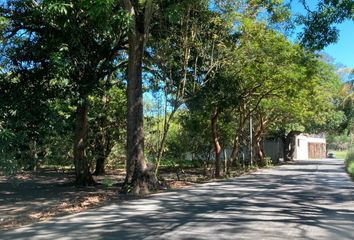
136 165
139 179
289 145
215 141
286 149
82 170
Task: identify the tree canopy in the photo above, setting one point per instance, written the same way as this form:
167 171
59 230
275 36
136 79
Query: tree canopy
222 76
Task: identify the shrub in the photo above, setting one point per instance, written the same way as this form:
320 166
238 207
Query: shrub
349 162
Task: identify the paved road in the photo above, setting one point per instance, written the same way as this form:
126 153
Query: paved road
306 200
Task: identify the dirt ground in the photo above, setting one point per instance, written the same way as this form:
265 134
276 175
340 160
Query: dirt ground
38 196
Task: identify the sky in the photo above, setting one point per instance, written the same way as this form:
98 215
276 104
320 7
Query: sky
343 50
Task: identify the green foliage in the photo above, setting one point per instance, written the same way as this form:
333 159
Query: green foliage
195 128
56 54
107 182
338 142
107 121
346 106
320 29
267 162
229 55
349 162
8 163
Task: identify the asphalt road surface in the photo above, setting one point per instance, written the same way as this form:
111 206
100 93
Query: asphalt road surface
304 200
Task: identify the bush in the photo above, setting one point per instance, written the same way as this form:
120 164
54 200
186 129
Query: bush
8 162
267 162
349 162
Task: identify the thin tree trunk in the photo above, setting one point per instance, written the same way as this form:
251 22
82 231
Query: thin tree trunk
236 145
258 151
238 135
257 137
234 149
33 164
103 148
102 142
215 141
82 170
166 128
161 147
99 151
100 169
226 169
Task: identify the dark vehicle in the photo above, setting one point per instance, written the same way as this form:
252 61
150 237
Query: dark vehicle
331 155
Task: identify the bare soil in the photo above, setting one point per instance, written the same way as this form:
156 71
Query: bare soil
38 196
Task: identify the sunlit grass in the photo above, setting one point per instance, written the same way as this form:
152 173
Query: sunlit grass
341 154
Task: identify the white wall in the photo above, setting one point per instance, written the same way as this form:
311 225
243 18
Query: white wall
301 149
302 141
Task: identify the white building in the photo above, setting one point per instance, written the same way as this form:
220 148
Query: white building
310 147
307 146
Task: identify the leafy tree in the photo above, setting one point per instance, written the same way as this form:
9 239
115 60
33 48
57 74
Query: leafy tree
189 43
194 126
73 42
320 29
346 105
266 66
24 84
107 120
312 107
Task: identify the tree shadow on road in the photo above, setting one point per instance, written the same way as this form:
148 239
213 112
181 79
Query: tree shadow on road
276 204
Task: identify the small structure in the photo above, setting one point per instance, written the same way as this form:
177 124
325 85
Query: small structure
310 147
307 146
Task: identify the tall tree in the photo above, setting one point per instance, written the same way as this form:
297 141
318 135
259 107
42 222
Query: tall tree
75 42
139 178
189 43
262 71
311 105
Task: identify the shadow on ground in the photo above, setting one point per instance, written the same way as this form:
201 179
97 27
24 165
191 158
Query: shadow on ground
29 197
306 200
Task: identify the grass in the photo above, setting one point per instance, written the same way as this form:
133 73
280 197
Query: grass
349 163
341 154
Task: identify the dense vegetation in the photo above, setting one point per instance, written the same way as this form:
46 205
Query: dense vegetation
207 69
349 163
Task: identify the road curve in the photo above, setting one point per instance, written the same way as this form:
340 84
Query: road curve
304 200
